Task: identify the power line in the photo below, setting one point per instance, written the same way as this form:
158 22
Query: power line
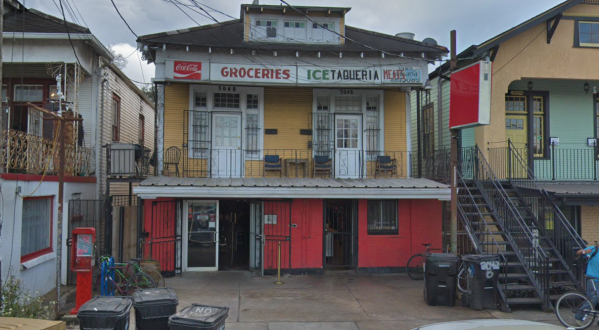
118 12
141 68
68 32
520 52
83 19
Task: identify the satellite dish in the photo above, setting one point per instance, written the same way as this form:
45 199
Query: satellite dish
430 41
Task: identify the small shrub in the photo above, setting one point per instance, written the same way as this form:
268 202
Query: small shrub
18 302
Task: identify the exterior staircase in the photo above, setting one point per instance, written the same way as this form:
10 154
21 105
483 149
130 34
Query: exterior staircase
498 218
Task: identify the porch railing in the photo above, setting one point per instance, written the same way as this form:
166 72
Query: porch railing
292 163
31 154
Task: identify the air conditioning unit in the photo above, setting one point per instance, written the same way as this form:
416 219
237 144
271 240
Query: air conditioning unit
122 159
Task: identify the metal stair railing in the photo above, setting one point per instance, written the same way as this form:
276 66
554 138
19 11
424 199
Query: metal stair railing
533 258
484 234
562 237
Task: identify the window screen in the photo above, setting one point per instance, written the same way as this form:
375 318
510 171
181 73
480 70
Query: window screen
383 217
36 226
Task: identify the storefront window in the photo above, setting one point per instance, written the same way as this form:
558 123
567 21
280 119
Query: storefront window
383 217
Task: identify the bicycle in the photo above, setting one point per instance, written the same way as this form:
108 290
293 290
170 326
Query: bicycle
123 278
415 265
575 310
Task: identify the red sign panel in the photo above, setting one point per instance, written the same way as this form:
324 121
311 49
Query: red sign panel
470 98
188 70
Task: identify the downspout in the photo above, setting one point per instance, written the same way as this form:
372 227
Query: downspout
440 110
101 142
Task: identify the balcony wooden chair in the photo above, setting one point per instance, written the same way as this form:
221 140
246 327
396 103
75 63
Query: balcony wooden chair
272 163
322 165
172 156
385 164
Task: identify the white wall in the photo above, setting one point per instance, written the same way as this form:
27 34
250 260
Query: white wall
40 275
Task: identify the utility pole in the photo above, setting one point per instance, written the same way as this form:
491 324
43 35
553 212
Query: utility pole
454 160
1 137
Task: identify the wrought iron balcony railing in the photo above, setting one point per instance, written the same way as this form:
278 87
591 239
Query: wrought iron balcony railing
284 163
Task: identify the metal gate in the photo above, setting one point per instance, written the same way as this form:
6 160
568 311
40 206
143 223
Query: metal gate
164 236
277 229
256 237
340 234
88 213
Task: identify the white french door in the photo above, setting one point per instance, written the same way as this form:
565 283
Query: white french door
200 236
226 160
348 146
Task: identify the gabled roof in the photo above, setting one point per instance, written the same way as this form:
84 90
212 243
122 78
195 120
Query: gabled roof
31 20
470 54
229 34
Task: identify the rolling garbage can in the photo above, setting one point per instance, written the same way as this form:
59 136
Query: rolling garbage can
440 279
481 271
199 317
105 313
153 307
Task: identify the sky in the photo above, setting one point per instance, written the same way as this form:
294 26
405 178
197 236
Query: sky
474 20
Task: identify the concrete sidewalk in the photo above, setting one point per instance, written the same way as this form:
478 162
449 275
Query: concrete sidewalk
332 301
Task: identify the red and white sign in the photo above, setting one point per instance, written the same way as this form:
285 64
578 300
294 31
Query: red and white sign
187 70
470 97
280 74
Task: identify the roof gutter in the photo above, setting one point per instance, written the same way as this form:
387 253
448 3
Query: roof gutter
153 192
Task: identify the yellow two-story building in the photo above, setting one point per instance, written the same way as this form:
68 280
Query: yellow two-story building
286 132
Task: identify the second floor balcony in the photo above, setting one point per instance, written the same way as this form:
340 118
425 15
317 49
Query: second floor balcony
340 163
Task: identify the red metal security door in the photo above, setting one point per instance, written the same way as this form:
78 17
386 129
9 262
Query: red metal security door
164 238
277 229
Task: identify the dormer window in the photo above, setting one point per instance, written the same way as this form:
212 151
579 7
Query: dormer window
321 31
266 29
295 30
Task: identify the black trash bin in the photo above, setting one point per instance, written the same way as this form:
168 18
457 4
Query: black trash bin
440 279
153 307
105 313
199 317
481 271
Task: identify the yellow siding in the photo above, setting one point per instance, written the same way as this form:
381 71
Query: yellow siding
288 110
246 31
395 129
342 29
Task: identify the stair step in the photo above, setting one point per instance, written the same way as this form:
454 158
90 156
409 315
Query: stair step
513 275
518 287
489 223
514 263
484 214
558 271
561 284
493 243
524 301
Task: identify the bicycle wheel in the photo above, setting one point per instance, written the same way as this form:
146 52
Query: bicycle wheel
155 275
415 267
574 310
139 281
463 279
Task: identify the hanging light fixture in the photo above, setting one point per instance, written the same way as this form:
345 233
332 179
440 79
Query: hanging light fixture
530 85
587 87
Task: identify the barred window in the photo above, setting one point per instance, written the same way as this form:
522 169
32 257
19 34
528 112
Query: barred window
383 217
253 127
322 103
372 127
428 130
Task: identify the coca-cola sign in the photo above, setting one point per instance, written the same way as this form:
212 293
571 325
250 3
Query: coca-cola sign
188 70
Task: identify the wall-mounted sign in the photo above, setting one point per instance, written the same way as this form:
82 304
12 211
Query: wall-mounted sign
252 73
401 74
84 246
187 70
338 75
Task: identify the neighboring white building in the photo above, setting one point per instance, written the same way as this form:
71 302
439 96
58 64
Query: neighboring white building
36 48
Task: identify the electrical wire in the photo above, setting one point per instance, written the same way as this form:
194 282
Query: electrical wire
141 68
520 52
68 32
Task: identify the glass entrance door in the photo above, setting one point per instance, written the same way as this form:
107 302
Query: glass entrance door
201 236
348 146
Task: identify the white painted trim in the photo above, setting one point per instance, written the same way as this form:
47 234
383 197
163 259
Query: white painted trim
37 261
61 36
243 92
153 192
